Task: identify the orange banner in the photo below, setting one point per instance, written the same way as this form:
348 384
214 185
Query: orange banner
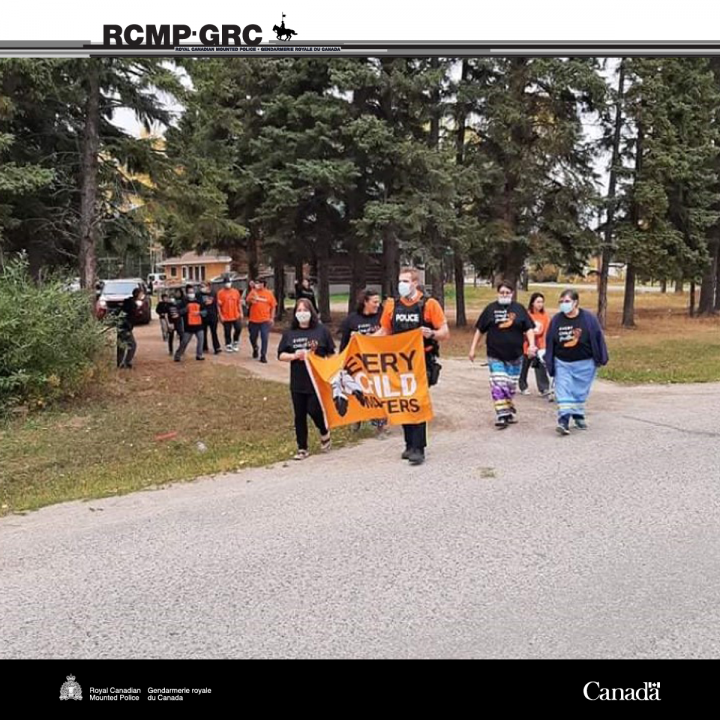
374 378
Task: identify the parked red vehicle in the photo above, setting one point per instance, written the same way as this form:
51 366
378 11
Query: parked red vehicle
114 292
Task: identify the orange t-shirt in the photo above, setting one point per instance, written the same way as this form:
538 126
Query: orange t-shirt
543 320
432 312
262 305
229 305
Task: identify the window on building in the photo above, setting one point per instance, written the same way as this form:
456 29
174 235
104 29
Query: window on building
184 273
202 272
173 272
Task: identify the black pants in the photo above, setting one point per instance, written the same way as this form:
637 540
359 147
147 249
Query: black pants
306 404
212 326
415 436
236 327
174 330
126 347
540 375
264 330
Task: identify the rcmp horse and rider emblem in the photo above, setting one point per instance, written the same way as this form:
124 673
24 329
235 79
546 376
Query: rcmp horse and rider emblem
70 690
283 33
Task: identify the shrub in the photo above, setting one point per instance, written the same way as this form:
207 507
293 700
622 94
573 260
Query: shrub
49 338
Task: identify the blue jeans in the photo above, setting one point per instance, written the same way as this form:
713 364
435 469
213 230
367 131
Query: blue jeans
264 330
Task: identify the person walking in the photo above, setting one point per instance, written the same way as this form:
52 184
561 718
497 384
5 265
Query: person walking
229 303
126 343
303 289
306 334
175 320
575 349
411 310
365 320
261 303
210 318
536 310
506 324
191 310
162 310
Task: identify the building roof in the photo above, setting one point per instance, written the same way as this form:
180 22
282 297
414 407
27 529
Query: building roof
192 258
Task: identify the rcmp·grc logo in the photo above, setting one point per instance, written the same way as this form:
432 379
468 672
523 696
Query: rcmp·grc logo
70 690
649 691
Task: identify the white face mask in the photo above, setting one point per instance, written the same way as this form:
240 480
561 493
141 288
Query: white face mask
566 306
405 288
191 296
228 285
504 300
303 316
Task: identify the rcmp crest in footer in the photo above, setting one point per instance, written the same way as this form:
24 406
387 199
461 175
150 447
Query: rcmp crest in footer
70 690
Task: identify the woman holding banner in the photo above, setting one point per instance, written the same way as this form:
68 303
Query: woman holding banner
306 334
506 324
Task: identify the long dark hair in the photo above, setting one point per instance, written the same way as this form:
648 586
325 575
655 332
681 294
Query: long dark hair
307 305
533 298
363 297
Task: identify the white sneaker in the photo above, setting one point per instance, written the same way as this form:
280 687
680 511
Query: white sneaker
525 392
228 348
235 347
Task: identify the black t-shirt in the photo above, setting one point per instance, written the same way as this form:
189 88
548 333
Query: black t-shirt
294 340
572 343
359 323
163 308
505 326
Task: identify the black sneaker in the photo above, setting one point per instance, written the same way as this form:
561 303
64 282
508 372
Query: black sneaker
218 351
512 420
256 354
562 427
177 359
263 359
416 456
501 423
580 423
406 454
199 358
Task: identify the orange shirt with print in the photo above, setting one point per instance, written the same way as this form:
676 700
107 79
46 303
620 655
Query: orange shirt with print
262 305
432 313
543 320
229 305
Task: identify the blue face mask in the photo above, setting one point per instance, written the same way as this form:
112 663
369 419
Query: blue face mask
404 288
566 307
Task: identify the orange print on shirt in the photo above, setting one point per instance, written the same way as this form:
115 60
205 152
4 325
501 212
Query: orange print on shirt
507 323
577 332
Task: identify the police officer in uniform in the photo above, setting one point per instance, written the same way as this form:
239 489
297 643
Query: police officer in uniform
409 311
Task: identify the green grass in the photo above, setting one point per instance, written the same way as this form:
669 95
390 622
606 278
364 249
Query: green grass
106 445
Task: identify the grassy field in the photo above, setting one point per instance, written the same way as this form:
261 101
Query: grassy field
136 431
666 346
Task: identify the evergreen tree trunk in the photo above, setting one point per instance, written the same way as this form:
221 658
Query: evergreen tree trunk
717 284
299 269
460 315
89 172
391 263
252 253
358 274
279 277
691 306
628 318
679 283
458 263
663 286
323 278
609 223
708 288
